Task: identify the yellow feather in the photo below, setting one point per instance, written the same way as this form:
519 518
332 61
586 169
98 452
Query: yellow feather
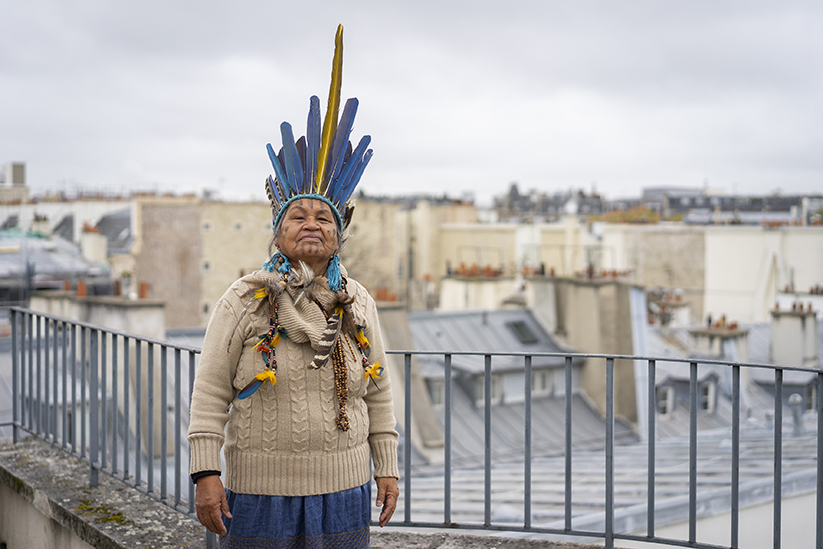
330 122
266 374
374 371
260 293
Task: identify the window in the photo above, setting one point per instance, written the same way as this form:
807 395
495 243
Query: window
665 402
437 391
496 390
205 308
238 226
811 397
206 266
206 226
523 332
541 385
708 391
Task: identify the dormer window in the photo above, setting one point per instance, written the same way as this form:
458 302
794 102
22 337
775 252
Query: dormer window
708 396
541 383
496 390
665 402
523 331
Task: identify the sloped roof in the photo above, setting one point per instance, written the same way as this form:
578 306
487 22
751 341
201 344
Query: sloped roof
116 227
630 483
53 258
504 331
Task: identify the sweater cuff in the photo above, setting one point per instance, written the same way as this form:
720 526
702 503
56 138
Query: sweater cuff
205 452
384 455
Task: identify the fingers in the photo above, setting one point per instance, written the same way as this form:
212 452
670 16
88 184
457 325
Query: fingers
388 509
216 522
387 494
210 503
224 505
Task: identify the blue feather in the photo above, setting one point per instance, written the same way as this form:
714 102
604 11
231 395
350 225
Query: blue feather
341 137
301 153
292 160
349 168
250 389
278 168
355 178
273 187
312 143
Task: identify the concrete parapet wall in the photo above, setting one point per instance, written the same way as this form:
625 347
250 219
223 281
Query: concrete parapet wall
45 501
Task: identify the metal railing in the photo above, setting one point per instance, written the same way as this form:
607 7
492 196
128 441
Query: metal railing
91 391
55 361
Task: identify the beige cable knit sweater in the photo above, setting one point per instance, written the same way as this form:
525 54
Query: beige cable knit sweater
283 439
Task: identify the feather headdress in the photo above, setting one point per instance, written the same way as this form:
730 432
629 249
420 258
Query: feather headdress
322 164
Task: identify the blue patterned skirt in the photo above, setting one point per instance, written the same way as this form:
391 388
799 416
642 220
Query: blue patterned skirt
328 521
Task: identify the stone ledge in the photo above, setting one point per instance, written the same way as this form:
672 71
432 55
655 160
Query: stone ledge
116 516
111 516
390 539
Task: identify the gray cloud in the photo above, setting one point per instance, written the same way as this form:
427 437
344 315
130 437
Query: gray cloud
457 95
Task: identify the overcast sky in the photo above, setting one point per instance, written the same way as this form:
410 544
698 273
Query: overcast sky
182 95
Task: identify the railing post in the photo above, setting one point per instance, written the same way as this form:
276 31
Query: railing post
692 452
652 411
407 440
778 455
447 466
177 439
83 382
568 456
819 542
735 455
487 421
15 380
609 453
93 411
527 458
191 390
163 422
150 418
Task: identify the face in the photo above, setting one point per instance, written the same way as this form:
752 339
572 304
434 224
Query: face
308 233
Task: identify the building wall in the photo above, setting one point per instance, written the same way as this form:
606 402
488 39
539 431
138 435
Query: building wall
756 524
235 242
671 257
168 250
745 266
595 317
24 525
375 252
481 245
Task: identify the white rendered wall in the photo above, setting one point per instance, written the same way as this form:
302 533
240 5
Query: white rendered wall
798 526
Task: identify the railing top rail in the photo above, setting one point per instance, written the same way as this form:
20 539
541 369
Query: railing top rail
107 330
561 354
558 354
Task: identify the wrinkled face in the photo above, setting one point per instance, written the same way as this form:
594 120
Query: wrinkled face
308 233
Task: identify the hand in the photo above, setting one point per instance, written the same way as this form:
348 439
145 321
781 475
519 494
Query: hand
210 501
387 494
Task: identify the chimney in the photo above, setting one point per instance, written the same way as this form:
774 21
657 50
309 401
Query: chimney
794 337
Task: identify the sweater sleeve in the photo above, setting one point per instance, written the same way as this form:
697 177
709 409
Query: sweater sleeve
213 388
382 433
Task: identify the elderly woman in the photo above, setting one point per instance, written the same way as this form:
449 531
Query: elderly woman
291 368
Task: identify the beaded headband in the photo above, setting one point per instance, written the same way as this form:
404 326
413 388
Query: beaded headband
322 164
